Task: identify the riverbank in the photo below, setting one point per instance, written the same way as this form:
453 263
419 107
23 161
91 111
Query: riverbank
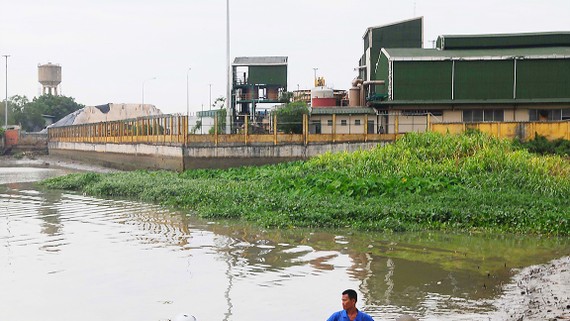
421 182
42 160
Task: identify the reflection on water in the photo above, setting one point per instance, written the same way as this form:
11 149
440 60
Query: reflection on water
75 257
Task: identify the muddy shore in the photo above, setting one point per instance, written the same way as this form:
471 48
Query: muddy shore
540 292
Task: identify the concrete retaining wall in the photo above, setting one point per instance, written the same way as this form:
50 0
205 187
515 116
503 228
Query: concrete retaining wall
178 158
235 156
121 156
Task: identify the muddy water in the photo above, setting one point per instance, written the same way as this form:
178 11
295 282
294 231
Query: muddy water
65 256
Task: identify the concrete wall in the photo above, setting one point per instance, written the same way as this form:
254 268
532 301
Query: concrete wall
178 158
33 141
121 156
235 156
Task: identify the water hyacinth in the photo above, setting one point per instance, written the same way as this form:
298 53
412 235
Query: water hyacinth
422 181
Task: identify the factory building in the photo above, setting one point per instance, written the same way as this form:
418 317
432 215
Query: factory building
256 80
474 78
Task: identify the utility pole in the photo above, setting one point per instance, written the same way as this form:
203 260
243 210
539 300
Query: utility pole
229 112
210 96
187 94
6 106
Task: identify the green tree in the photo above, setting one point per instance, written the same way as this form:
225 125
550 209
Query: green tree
286 97
220 104
196 127
30 114
57 106
290 117
15 104
221 114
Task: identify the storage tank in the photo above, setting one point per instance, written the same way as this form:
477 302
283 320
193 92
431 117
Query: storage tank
354 97
322 92
49 75
322 97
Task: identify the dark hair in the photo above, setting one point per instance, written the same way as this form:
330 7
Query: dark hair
351 294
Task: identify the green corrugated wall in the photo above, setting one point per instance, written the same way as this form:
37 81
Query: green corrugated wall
268 75
561 39
477 80
422 80
382 74
484 79
407 34
543 79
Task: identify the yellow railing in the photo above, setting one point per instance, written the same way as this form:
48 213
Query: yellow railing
173 129
164 129
522 130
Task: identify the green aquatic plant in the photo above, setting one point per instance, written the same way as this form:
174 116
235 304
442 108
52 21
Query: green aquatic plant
422 181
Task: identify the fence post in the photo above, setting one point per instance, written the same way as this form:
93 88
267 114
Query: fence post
184 139
334 127
164 121
170 127
366 128
275 129
498 130
216 129
305 128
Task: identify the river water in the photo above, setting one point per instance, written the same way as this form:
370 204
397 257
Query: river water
66 256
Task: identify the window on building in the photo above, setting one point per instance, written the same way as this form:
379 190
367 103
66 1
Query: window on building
329 122
548 114
483 115
477 115
357 122
499 115
343 122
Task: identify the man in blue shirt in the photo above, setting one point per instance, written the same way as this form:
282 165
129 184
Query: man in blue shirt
349 311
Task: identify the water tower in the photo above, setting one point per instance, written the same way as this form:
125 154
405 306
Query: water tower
49 75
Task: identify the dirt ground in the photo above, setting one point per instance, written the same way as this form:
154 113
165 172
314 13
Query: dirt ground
539 292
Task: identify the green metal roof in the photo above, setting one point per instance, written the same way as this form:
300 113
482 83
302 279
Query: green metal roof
476 102
515 40
393 24
260 61
342 110
413 54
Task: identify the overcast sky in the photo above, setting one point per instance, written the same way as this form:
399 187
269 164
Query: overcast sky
108 48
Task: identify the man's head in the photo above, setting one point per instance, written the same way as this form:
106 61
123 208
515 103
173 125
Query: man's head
349 299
